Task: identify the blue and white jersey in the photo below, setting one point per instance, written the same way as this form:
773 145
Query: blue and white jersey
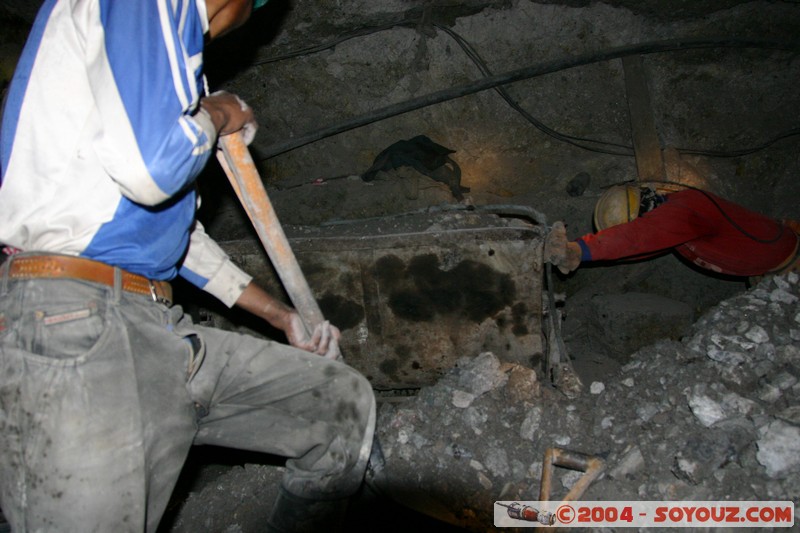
100 144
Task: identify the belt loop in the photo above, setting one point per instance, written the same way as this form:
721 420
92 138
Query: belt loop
117 285
5 267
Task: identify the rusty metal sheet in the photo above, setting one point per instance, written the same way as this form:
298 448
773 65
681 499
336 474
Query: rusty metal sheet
414 293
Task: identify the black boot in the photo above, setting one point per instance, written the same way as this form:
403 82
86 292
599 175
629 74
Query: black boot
295 514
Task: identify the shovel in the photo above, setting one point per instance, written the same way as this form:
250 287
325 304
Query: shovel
236 161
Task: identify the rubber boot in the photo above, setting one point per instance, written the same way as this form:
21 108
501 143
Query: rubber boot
295 514
375 475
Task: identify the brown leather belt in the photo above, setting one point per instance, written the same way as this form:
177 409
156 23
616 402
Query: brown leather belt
23 267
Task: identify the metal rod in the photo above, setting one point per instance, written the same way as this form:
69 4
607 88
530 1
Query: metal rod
591 466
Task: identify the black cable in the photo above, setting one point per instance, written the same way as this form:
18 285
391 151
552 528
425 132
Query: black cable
574 140
741 230
475 57
535 70
338 40
570 139
741 152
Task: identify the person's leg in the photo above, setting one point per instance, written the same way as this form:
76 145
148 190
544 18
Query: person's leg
90 403
265 396
163 354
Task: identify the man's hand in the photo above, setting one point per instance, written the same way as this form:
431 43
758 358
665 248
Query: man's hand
323 341
559 251
230 114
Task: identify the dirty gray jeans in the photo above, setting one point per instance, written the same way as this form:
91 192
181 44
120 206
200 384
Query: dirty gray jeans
103 392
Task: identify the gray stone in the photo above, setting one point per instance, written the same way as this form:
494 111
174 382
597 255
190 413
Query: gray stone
757 334
769 393
782 296
530 425
462 399
496 461
784 380
728 357
727 341
779 448
475 419
791 414
734 404
629 464
483 375
782 283
702 453
647 411
705 409
711 405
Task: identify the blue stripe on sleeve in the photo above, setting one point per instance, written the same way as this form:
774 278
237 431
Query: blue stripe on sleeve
192 277
586 255
157 87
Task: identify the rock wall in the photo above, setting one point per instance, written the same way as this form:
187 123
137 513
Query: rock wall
396 52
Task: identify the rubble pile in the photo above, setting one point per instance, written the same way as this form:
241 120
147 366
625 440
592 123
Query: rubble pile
715 416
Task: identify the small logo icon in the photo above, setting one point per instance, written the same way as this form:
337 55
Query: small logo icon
518 511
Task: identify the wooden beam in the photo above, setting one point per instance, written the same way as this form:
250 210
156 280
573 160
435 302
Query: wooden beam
646 144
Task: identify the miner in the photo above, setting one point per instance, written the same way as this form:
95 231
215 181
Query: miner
104 382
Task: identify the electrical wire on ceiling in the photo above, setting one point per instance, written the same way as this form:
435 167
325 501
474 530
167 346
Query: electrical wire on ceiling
496 82
624 150
743 151
337 41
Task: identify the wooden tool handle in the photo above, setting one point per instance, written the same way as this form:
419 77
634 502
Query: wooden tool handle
238 164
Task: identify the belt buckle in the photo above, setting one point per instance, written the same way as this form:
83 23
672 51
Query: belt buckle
154 294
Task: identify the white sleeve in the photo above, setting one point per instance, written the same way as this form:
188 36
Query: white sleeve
208 267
